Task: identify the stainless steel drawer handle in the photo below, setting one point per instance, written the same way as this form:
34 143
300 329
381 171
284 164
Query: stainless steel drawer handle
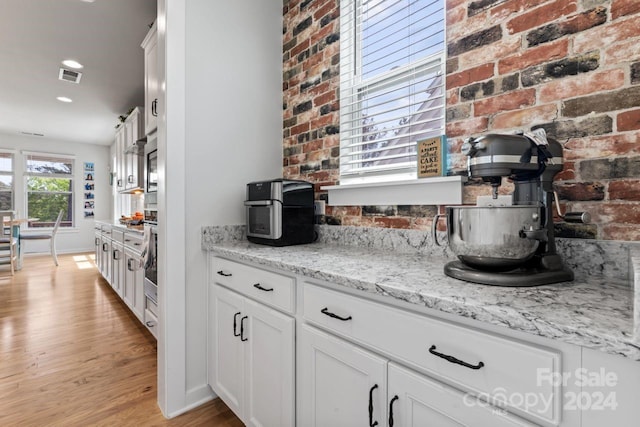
452 359
326 311
222 273
150 323
257 286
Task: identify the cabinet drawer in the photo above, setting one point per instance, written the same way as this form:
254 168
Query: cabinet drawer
151 322
269 288
133 241
117 235
509 371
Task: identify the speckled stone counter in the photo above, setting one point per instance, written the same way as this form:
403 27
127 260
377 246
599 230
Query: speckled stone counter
112 223
596 314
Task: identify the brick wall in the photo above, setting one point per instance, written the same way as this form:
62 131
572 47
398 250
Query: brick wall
569 66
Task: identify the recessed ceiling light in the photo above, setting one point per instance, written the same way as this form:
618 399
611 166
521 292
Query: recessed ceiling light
64 99
72 64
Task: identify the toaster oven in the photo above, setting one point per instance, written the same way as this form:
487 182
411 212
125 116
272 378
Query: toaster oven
279 212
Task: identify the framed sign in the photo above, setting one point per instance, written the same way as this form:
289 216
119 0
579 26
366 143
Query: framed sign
432 157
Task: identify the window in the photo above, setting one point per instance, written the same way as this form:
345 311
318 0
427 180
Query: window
6 181
49 188
391 85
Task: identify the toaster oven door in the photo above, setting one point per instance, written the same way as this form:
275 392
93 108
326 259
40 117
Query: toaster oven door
264 218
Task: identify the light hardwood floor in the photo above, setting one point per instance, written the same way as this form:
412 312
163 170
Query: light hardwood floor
72 354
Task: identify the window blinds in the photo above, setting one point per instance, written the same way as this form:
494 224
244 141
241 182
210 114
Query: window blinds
391 83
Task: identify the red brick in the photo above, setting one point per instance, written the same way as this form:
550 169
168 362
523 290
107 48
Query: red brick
534 56
312 61
347 210
301 128
297 159
580 191
312 146
322 121
322 154
621 52
465 77
506 102
620 213
541 15
601 146
467 127
568 172
512 7
331 141
624 190
451 4
607 35
505 47
328 7
304 44
624 7
392 222
583 84
321 34
629 120
524 118
325 98
452 97
620 232
455 15
291 171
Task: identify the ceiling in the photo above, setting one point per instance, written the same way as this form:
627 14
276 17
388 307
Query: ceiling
103 35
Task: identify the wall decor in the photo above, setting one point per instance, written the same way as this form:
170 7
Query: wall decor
89 187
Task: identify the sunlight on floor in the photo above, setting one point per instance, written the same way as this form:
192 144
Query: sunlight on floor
84 262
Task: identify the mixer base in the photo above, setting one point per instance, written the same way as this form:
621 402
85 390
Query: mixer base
515 278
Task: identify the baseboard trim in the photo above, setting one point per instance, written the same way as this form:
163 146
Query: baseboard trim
194 398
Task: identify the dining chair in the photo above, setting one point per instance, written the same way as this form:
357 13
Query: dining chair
47 236
8 243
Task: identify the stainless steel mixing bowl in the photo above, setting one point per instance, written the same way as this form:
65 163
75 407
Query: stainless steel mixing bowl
492 237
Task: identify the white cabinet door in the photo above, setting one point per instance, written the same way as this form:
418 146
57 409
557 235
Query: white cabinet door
98 250
120 158
150 45
133 289
417 401
610 390
339 382
105 254
225 362
117 267
269 363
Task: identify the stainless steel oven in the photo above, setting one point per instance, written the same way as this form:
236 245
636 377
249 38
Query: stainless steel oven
151 266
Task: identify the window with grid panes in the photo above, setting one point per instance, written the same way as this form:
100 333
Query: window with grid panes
392 85
49 188
6 181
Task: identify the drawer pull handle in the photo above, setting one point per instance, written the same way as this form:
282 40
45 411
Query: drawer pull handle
391 410
222 273
452 359
242 338
257 286
150 324
335 316
371 422
235 324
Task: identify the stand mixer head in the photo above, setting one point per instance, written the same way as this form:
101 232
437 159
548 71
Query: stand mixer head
509 245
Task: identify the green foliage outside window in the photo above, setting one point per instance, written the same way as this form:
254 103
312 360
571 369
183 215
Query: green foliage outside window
46 196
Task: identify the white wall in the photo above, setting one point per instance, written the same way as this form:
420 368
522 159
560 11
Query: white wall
80 238
227 73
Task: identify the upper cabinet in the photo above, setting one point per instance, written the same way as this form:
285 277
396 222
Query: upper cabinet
150 45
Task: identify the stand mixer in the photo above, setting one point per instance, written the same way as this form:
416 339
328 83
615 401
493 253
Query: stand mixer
509 243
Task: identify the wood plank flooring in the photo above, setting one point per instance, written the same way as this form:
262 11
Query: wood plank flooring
72 354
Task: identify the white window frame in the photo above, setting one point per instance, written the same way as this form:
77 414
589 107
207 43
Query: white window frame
389 185
72 177
12 174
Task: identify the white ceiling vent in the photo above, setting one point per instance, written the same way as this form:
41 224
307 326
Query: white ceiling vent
69 76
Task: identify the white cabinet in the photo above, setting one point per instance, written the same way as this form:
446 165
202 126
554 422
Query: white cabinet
97 255
150 45
610 390
133 286
120 168
105 254
134 156
117 263
416 401
251 358
339 384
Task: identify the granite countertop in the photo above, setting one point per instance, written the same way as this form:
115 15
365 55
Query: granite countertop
597 313
133 228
